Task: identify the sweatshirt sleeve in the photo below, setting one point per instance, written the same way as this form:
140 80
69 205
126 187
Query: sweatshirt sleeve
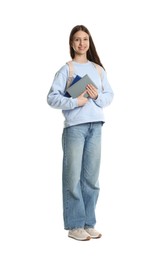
56 96
106 96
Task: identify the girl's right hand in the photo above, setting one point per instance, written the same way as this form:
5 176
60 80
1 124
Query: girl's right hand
82 100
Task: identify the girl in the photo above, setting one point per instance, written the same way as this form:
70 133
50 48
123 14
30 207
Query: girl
81 138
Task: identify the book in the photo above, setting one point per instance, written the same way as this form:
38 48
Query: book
77 88
73 82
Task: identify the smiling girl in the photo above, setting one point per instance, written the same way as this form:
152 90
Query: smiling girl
81 138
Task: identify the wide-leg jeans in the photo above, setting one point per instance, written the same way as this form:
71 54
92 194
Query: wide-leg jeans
80 177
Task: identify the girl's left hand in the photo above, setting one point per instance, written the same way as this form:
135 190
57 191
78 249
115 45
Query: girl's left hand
92 91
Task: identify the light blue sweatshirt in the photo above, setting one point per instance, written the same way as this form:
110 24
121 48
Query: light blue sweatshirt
92 111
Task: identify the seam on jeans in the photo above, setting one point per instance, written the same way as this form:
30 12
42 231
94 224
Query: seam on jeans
65 170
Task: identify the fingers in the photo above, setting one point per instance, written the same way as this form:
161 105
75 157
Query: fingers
83 94
81 99
92 91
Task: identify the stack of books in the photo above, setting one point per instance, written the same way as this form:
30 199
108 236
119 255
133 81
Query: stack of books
78 86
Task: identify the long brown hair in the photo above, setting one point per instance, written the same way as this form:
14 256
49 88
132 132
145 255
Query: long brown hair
91 53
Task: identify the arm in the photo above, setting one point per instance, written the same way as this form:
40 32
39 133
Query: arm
104 97
56 96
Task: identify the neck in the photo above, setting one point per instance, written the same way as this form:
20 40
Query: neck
80 59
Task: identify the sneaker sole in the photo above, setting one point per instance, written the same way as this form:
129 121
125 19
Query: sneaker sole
96 237
85 239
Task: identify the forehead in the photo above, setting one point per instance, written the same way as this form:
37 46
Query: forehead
80 34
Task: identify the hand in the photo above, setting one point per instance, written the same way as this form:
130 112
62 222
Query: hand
92 91
82 100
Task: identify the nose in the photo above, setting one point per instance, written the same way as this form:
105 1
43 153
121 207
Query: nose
81 42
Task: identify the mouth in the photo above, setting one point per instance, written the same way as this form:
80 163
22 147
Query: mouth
82 49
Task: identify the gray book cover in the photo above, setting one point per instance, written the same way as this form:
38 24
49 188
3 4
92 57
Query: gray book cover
80 86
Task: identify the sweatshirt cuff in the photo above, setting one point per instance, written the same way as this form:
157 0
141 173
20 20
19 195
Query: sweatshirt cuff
98 98
74 102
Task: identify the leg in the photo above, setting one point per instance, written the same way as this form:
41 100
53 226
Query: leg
90 172
73 205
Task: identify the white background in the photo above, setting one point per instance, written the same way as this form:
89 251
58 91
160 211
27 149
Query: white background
34 44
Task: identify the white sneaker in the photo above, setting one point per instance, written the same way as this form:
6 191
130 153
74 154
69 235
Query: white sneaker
79 234
93 233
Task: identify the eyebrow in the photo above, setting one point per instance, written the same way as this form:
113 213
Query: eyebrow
78 37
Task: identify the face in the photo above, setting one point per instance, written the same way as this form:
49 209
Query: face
80 42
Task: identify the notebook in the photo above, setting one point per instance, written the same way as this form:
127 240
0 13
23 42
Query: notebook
73 81
79 86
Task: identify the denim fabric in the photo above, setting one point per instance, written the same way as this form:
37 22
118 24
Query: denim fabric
81 164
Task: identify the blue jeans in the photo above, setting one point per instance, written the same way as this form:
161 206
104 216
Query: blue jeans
81 164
